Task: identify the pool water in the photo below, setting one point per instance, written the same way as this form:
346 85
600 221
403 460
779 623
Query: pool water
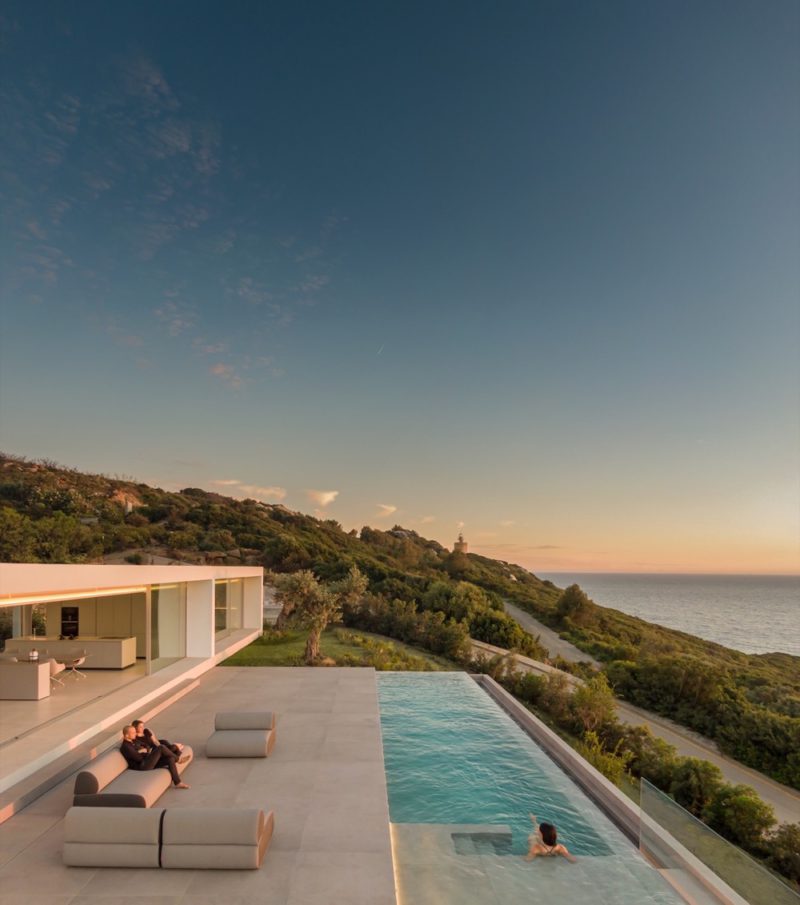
460 775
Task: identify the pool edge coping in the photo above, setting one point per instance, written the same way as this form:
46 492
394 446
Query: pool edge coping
623 813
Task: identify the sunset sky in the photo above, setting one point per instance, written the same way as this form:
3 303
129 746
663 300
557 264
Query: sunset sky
528 270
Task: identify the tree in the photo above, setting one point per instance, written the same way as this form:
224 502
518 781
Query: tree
694 784
783 847
594 704
574 607
311 605
738 813
17 537
556 695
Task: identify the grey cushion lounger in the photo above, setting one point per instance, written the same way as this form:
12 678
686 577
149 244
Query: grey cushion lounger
111 837
216 838
190 838
109 775
242 734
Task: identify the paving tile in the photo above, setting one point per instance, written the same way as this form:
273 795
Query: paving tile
324 781
110 881
321 878
351 829
273 877
132 898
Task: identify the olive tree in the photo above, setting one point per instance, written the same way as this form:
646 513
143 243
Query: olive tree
309 604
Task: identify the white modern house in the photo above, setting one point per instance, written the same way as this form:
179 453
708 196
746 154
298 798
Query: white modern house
90 645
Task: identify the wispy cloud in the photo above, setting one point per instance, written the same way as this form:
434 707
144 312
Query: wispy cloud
200 344
322 498
176 316
264 493
427 519
252 292
385 510
507 523
227 374
313 283
143 79
522 548
252 491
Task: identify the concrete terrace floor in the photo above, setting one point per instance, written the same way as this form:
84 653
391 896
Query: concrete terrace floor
325 782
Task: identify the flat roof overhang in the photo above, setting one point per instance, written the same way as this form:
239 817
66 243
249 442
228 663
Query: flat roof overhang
28 583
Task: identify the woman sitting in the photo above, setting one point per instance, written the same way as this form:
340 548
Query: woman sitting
147 737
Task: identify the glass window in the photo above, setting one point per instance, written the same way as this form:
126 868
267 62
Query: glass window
167 624
220 607
235 597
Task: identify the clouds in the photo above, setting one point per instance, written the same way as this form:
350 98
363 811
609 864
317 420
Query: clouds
322 498
227 374
144 80
385 510
176 317
252 491
427 519
125 186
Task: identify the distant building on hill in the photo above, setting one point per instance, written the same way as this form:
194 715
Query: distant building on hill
460 546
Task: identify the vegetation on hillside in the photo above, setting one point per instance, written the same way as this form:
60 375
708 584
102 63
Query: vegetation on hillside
417 591
586 715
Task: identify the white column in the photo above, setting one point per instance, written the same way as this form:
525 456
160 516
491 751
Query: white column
253 603
200 618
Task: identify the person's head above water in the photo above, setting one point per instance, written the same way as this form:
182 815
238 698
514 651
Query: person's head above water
548 833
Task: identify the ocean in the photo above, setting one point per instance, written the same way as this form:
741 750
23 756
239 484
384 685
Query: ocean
757 614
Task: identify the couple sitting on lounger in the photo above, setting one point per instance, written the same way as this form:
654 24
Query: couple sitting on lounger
143 751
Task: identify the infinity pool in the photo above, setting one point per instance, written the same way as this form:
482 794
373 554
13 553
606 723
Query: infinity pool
462 778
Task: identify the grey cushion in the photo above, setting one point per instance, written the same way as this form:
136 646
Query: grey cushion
100 772
215 838
112 837
245 719
150 784
241 743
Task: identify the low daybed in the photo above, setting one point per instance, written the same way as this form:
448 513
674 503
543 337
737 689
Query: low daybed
186 838
109 782
242 734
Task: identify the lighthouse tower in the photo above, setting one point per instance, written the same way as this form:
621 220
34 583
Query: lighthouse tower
460 546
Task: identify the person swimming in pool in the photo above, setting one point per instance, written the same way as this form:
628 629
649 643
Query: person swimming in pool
543 842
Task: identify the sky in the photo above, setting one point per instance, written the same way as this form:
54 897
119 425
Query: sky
526 270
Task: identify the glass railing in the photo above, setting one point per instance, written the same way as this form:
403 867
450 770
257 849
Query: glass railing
745 876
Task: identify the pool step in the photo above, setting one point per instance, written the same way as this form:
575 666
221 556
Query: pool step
423 843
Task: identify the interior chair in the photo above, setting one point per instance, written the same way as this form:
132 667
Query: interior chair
55 669
74 660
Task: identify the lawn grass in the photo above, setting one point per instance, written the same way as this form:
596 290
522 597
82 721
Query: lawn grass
344 646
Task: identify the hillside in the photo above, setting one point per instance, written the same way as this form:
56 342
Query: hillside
749 703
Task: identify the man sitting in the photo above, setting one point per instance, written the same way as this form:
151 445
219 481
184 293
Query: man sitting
147 737
142 757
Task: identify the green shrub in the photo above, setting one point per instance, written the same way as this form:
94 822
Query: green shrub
611 764
738 814
694 784
783 851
